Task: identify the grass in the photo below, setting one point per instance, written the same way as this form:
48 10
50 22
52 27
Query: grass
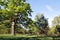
19 35
26 37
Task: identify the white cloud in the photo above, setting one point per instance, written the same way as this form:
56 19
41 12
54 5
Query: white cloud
49 8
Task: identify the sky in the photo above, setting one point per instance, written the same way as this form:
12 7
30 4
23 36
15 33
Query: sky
50 8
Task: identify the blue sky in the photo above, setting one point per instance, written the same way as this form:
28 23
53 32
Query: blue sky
50 8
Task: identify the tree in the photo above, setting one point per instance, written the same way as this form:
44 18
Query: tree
15 10
56 24
56 20
42 23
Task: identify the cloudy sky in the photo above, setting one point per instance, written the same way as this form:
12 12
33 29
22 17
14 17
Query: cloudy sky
50 8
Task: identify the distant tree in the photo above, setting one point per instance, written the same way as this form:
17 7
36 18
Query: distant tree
15 10
42 23
56 20
56 23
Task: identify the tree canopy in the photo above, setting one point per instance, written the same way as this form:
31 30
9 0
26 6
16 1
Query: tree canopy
41 22
14 11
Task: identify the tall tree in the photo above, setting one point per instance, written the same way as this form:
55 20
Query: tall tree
41 23
15 10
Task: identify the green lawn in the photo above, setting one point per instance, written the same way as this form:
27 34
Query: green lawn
26 37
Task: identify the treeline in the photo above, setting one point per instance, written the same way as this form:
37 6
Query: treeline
39 26
14 19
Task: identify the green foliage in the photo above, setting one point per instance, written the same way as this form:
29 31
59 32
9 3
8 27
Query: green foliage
41 20
55 26
51 31
11 10
33 29
41 23
56 20
12 7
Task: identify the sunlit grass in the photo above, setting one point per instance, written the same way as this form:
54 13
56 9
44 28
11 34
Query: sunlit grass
26 36
18 35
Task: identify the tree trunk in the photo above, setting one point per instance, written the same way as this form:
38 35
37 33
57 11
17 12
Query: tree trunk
13 28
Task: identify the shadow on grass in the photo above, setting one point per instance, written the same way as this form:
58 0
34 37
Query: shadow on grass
18 37
28 38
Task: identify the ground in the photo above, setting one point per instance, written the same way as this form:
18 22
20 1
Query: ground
26 37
